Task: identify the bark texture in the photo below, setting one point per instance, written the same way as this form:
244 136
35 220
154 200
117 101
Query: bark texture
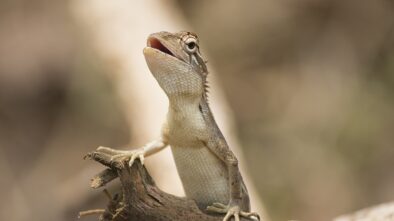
140 199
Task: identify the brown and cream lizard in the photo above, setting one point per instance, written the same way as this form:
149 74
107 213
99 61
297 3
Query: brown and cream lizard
207 167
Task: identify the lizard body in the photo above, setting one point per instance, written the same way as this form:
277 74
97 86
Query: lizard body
207 167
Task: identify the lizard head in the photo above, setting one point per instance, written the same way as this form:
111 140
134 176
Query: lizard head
175 61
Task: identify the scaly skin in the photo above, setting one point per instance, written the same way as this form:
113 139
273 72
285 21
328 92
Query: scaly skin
207 167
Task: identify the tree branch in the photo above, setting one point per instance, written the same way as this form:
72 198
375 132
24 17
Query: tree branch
141 199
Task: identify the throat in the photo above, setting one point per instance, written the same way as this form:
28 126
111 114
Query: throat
184 103
183 111
183 106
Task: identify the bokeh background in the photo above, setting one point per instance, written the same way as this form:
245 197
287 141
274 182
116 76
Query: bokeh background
310 84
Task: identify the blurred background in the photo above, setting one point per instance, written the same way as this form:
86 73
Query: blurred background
309 85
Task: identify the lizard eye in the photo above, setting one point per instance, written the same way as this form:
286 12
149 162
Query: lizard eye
191 45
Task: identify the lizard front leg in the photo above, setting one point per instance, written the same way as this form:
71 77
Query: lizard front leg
234 208
140 153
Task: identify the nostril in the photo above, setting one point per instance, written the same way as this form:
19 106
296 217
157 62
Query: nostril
155 43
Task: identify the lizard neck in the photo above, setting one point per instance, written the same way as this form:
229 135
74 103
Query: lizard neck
182 108
184 103
183 118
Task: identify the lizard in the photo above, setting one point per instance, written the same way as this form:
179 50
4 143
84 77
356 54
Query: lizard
207 167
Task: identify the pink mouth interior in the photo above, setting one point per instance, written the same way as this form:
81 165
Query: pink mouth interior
156 44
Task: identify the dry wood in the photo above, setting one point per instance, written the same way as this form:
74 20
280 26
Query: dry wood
140 198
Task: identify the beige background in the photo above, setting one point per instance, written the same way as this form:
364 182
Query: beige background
305 88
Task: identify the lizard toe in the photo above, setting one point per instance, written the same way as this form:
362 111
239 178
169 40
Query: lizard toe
218 207
232 211
250 215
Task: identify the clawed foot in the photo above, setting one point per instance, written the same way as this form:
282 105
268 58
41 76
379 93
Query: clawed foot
128 155
230 211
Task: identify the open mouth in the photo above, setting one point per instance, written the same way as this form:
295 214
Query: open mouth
156 44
